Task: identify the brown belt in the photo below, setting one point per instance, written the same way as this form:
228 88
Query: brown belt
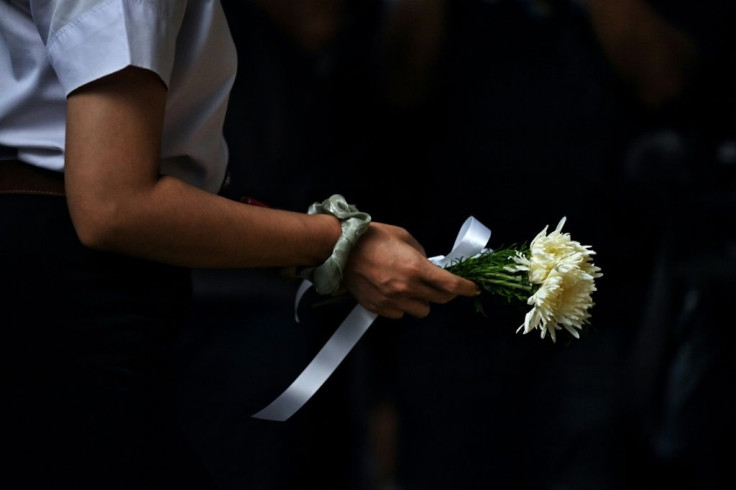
21 178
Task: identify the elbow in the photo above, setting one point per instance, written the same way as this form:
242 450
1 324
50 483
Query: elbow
94 237
97 227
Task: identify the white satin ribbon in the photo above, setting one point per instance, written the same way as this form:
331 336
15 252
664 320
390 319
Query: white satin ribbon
471 240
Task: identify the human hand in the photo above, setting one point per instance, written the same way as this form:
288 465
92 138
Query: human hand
389 274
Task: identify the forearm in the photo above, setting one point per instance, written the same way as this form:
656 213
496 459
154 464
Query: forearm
173 222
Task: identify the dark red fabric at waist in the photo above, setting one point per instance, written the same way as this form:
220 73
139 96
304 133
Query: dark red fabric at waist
21 178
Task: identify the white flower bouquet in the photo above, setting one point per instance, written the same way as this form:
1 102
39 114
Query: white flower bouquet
555 275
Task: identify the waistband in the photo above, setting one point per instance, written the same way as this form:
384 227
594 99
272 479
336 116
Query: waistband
17 177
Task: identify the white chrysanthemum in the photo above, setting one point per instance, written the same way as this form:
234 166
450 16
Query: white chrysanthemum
564 271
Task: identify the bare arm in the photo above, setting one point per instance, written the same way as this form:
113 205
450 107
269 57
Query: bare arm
119 202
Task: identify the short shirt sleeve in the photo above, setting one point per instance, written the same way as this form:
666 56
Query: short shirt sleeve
88 39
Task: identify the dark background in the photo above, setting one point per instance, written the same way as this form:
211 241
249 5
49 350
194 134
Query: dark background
518 113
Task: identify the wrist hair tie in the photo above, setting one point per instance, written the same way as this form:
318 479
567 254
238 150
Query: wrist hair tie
327 276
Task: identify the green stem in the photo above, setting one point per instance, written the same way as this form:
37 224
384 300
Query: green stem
505 277
509 284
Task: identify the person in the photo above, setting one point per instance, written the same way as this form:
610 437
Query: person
113 163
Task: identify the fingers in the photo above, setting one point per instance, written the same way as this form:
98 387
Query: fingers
417 309
449 283
432 294
413 299
392 306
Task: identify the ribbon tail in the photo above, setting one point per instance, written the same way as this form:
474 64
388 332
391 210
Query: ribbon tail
321 367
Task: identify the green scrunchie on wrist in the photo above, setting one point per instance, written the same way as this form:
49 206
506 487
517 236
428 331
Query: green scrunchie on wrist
328 276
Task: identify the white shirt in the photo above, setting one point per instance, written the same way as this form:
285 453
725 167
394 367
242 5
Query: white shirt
48 48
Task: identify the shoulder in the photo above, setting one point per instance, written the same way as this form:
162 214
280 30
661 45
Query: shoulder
93 38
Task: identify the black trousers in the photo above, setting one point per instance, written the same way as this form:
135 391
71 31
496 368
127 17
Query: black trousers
86 351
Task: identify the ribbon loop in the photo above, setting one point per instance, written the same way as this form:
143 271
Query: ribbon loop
471 240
